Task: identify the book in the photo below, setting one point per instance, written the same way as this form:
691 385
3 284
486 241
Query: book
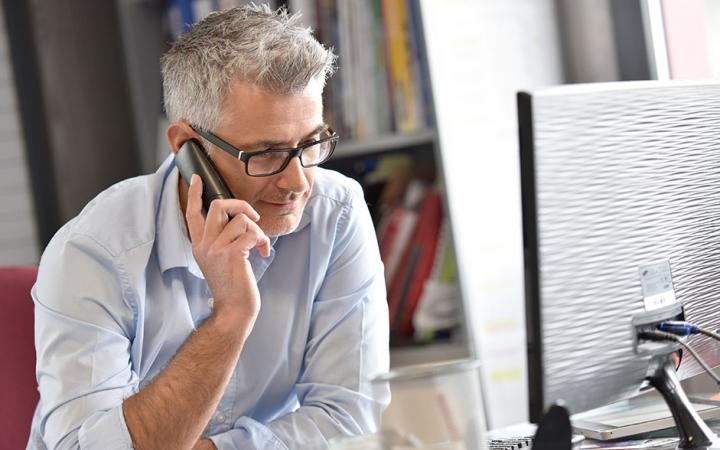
395 20
415 266
381 85
395 235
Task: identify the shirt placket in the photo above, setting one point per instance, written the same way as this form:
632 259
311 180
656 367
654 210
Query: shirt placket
224 415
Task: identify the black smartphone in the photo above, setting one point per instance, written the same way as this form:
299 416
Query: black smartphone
192 158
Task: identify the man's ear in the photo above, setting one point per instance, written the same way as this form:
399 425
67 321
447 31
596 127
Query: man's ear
178 133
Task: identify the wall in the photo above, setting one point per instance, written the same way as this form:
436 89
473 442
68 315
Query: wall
480 54
18 235
85 89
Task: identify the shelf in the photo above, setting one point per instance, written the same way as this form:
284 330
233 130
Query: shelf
383 143
429 353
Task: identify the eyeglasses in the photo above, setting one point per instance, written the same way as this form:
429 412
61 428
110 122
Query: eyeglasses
274 160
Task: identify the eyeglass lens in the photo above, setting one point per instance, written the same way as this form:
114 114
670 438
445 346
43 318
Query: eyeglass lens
267 163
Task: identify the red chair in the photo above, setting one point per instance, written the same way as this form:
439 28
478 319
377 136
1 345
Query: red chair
18 387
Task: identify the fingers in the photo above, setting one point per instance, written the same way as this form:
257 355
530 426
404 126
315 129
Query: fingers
193 209
239 207
221 212
262 241
215 221
249 240
228 222
263 246
243 231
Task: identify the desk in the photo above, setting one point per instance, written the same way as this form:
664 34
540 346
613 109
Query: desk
661 440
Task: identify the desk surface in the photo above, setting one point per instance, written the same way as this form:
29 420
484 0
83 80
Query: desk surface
660 440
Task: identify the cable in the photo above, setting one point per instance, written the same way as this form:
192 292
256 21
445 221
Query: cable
709 333
656 335
681 328
678 328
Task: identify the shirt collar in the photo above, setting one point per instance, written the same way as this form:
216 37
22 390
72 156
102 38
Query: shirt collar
173 245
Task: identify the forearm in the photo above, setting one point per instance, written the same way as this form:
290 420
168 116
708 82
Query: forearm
173 410
313 425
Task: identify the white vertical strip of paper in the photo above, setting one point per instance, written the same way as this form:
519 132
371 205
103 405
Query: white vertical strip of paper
481 52
18 236
654 26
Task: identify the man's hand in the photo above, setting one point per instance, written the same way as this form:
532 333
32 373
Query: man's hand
221 244
173 409
204 444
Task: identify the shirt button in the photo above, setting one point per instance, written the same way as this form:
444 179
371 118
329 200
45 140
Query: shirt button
220 418
211 302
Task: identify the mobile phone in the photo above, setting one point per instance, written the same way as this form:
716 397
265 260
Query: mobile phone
192 158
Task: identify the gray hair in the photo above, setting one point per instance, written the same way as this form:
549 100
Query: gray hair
269 49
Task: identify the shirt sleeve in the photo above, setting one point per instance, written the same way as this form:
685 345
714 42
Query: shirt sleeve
82 329
347 346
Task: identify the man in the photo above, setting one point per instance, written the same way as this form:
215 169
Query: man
258 325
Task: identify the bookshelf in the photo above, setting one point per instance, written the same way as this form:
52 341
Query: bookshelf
429 353
388 142
380 102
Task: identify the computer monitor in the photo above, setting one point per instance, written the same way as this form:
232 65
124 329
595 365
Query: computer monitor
621 216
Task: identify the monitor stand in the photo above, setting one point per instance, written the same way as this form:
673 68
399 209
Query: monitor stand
693 431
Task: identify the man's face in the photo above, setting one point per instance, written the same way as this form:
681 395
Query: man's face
253 119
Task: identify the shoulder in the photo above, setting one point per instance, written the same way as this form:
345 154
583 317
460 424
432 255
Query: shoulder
90 270
337 208
334 188
119 218
335 204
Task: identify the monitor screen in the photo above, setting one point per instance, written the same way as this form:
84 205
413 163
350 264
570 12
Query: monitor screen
621 215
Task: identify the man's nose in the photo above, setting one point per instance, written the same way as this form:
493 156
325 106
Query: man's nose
293 178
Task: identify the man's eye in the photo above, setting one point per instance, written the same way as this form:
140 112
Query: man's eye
312 139
270 156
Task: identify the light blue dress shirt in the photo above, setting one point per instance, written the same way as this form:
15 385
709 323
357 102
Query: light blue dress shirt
119 292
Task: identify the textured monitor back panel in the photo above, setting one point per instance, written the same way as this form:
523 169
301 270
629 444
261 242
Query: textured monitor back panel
625 174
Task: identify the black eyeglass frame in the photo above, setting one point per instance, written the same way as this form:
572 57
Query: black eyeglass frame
245 156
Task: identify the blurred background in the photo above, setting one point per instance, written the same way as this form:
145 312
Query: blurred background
81 109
